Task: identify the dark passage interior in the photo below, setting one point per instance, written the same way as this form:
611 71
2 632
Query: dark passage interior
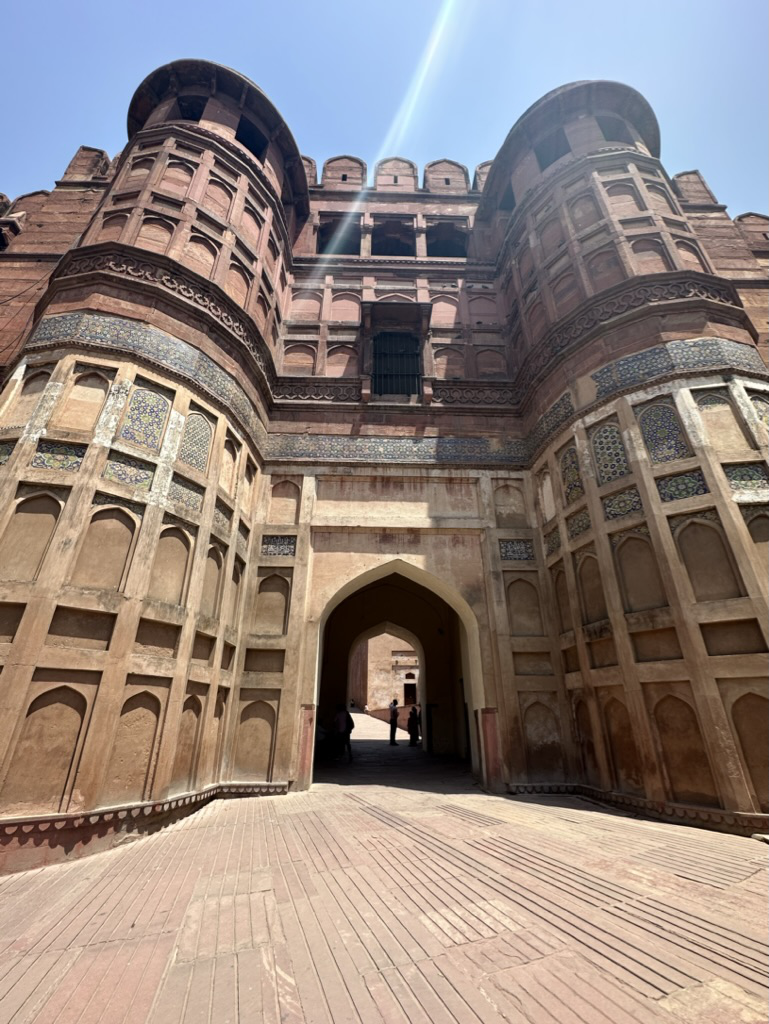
414 608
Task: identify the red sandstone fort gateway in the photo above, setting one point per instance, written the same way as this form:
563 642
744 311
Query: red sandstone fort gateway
254 419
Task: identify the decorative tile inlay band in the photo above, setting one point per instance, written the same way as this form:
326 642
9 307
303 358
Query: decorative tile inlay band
578 524
708 515
609 453
552 542
625 503
185 492
695 353
146 419
6 450
312 389
516 550
59 455
222 517
275 545
687 485
182 360
712 400
196 442
662 432
111 499
572 480
748 476
127 470
473 394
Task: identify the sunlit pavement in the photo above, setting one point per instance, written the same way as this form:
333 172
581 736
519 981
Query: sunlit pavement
394 891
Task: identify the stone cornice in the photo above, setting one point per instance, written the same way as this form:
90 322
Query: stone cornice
185 289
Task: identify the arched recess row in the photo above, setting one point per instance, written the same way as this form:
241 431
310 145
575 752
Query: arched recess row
749 714
524 608
171 566
689 776
285 496
586 743
543 739
707 558
272 603
625 762
254 741
187 752
81 404
104 557
131 766
20 408
45 755
639 576
28 534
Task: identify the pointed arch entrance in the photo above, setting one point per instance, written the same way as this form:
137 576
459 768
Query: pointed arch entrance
409 602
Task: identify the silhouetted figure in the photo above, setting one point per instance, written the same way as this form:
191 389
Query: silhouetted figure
393 721
413 726
343 727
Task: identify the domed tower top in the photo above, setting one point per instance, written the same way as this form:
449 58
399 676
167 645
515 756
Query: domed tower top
228 104
569 122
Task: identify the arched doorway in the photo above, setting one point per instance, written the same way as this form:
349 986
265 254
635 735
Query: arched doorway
384 663
398 604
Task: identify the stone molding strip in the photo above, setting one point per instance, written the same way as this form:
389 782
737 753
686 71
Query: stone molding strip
735 822
181 360
45 839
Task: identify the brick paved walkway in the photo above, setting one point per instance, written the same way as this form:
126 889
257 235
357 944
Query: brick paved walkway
421 901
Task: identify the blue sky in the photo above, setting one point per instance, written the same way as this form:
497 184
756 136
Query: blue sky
351 77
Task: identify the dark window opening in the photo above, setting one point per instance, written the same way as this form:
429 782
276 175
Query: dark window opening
248 135
191 107
339 236
393 238
396 365
614 129
507 202
447 181
395 179
446 239
344 177
409 693
552 148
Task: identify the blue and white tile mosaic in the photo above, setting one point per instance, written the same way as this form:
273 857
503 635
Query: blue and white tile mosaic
185 492
748 476
222 517
6 450
761 405
662 433
552 541
624 503
516 550
578 524
145 420
685 485
609 453
127 470
277 545
59 455
573 488
112 499
196 442
750 512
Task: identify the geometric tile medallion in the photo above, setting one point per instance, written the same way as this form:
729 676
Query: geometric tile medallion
552 541
6 450
127 470
570 474
196 442
59 455
185 492
624 503
578 524
279 545
146 419
686 485
747 476
516 550
609 453
663 433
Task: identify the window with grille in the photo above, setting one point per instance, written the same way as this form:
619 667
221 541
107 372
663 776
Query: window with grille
396 365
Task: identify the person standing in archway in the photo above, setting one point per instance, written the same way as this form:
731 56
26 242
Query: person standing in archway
393 721
343 727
